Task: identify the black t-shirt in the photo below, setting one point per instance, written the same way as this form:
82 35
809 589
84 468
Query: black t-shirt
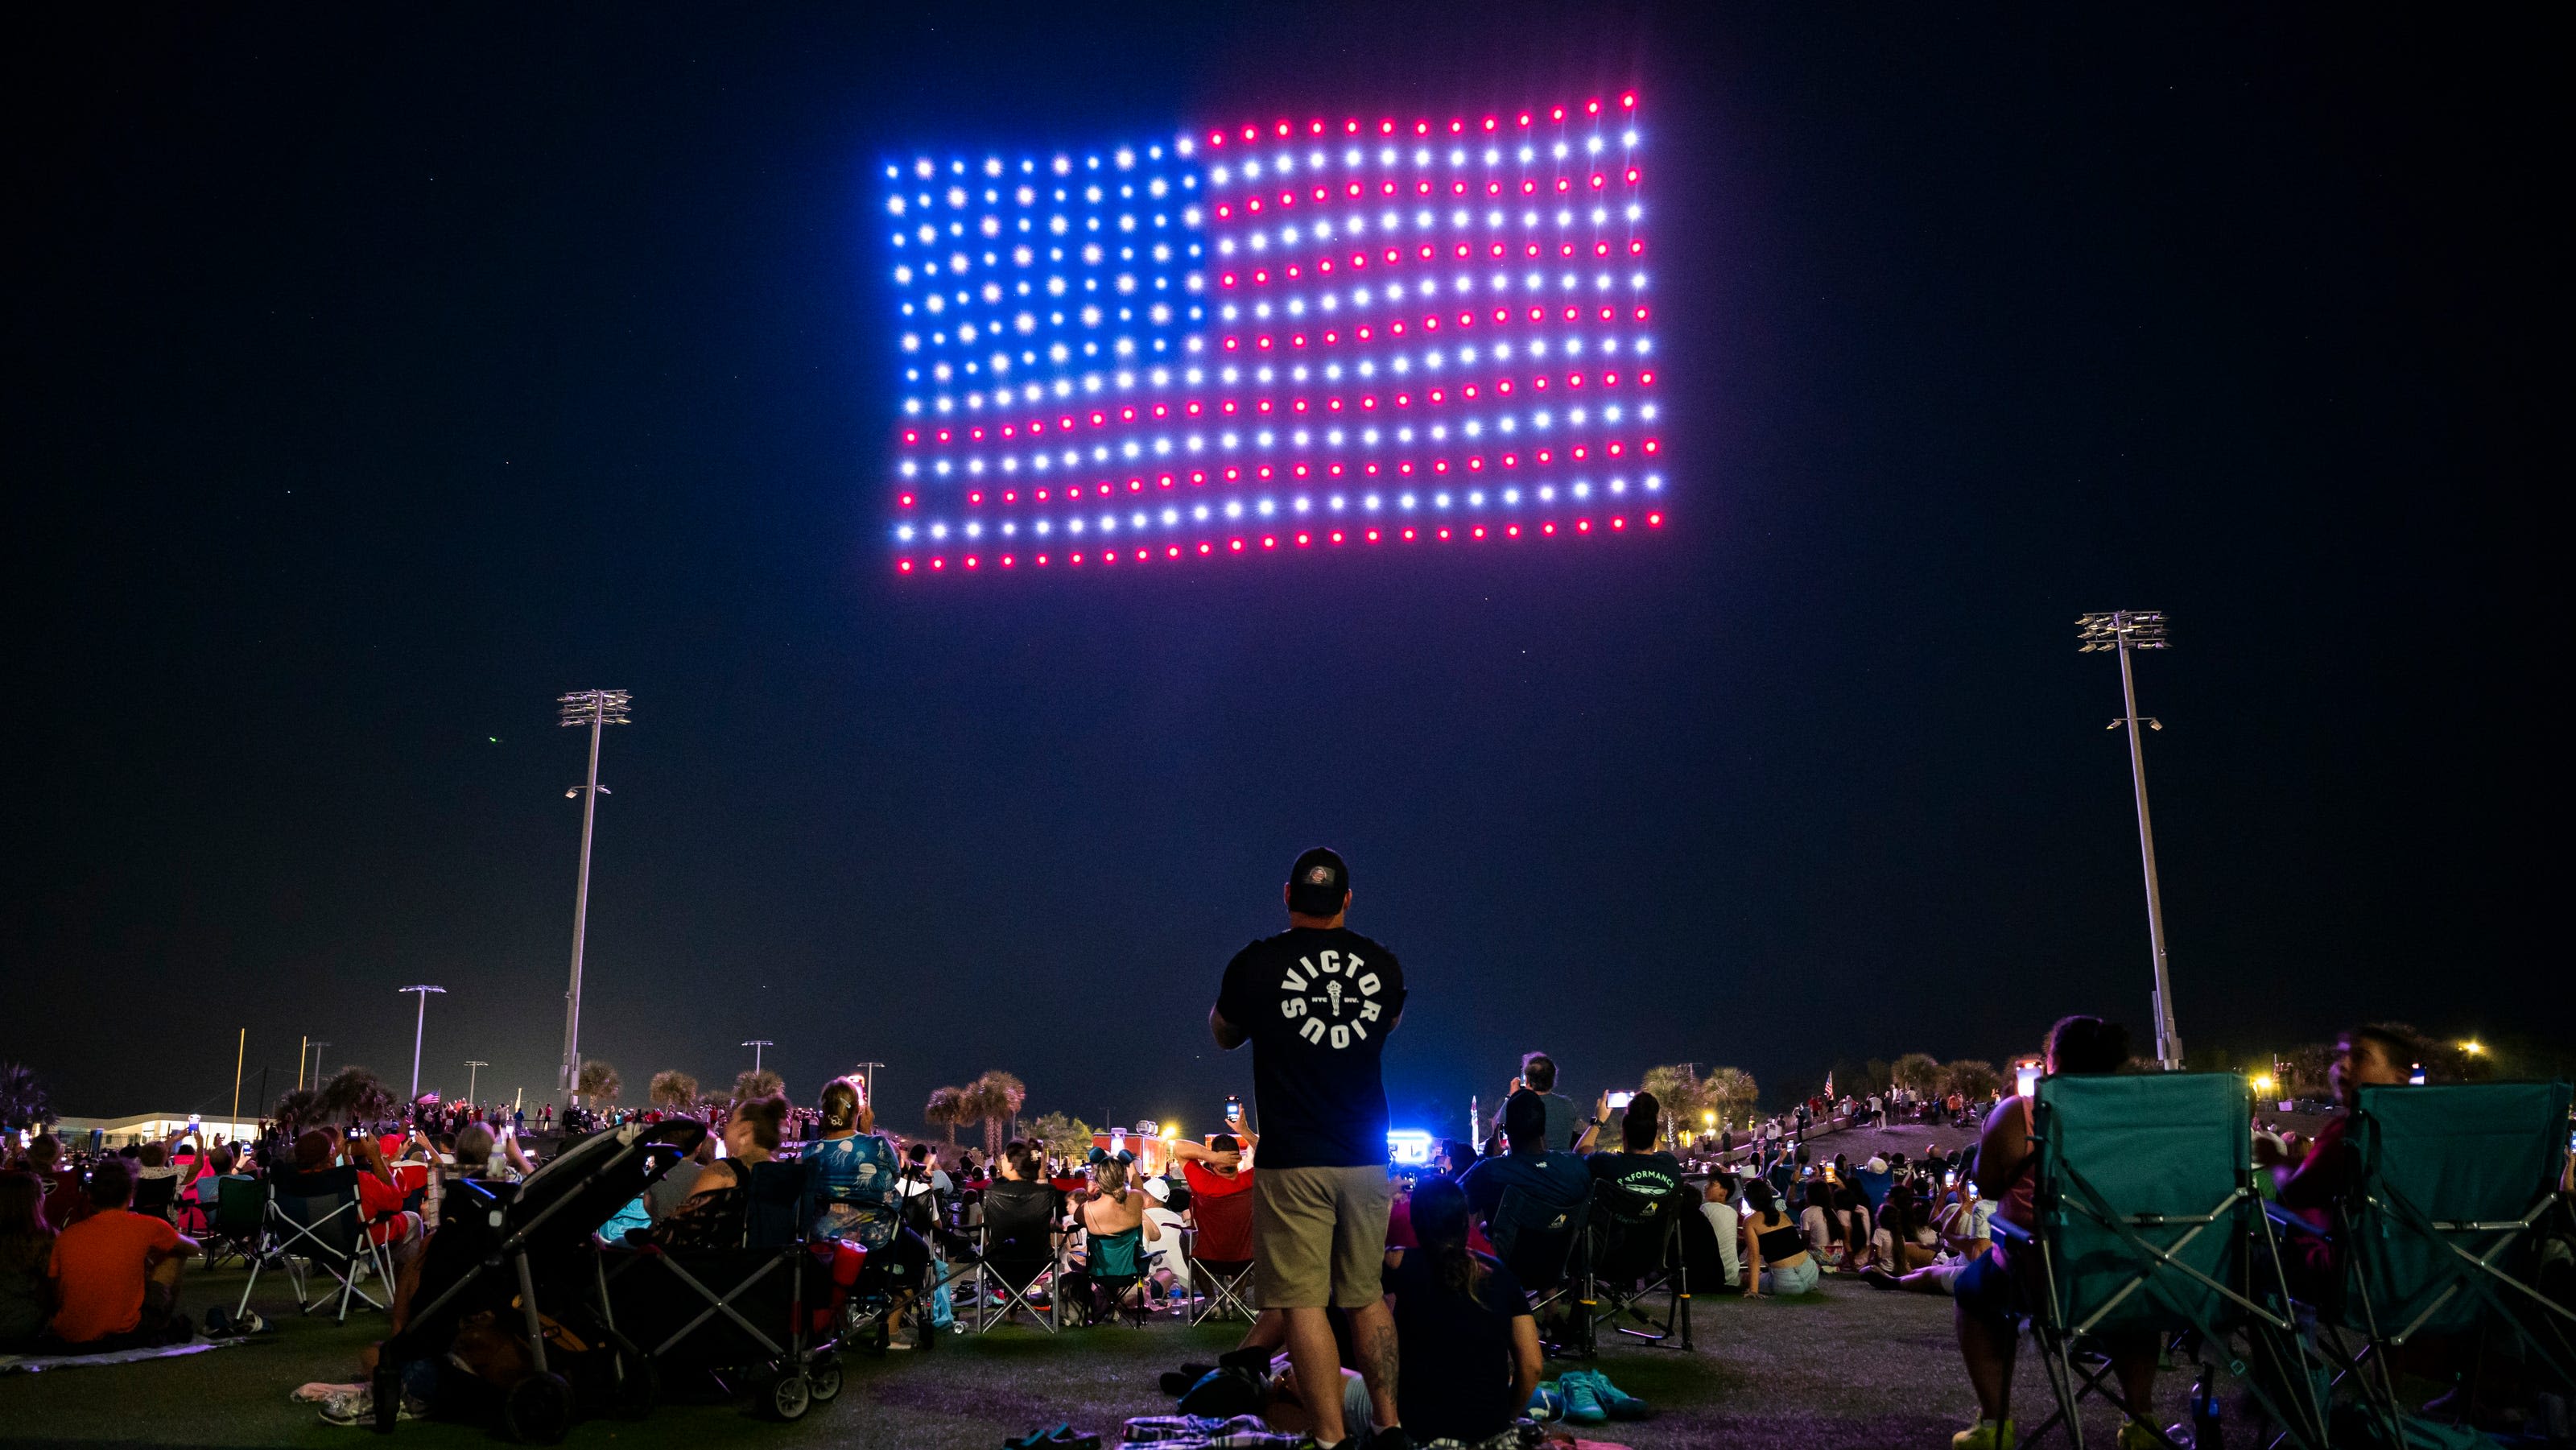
1319 1005
1652 1174
1457 1355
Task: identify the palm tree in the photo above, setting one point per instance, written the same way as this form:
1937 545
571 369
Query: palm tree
296 1109
998 1097
1682 1094
354 1092
946 1109
597 1080
24 1102
761 1084
672 1089
1730 1090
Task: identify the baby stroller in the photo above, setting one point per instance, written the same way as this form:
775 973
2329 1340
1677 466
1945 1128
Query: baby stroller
513 1314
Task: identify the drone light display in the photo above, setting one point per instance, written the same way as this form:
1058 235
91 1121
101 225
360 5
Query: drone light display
1272 338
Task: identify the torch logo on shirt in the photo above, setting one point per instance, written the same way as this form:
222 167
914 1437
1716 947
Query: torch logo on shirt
1332 999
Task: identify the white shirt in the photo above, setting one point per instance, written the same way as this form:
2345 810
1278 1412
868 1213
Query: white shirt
1723 1218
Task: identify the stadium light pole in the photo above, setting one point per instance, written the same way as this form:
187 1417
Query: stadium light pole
597 709
2123 631
472 1067
318 1045
419 1021
868 1070
756 1044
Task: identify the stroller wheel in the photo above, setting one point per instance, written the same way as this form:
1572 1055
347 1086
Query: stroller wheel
823 1379
538 1409
788 1396
640 1392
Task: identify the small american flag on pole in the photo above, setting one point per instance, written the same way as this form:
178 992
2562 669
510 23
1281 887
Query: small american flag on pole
1273 338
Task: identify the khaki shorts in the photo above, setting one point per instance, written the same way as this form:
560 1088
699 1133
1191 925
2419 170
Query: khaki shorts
1319 1236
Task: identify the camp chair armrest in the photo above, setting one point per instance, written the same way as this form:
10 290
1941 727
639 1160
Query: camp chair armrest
2007 1230
2289 1222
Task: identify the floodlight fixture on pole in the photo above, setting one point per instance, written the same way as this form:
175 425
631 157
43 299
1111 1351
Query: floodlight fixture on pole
420 1020
756 1044
596 709
472 1067
2122 631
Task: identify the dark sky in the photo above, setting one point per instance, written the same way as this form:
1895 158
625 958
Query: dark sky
376 379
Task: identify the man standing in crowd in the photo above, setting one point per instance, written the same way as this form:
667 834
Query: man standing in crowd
1317 1003
1565 1127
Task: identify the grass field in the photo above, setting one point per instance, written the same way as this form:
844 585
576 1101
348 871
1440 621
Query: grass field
1843 1367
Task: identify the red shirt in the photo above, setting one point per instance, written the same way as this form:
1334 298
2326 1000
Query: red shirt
1208 1183
100 1266
67 1202
377 1198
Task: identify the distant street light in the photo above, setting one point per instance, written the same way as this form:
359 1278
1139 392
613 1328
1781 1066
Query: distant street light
2124 630
596 709
756 1044
472 1067
420 1019
2473 1047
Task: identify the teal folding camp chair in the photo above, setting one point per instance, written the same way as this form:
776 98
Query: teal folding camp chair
2148 1224
2456 1183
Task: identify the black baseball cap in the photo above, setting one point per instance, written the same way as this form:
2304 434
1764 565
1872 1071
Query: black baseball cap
1318 882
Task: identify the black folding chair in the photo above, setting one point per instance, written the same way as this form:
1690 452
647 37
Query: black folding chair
1017 1249
327 1233
1538 1242
1632 1248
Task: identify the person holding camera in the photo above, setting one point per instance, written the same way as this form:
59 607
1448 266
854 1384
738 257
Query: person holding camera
1317 1002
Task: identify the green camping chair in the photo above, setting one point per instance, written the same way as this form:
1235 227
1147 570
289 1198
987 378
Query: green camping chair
2455 1182
2149 1224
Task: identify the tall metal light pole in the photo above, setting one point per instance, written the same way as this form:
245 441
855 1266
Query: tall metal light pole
419 1021
472 1067
2122 631
596 709
869 1070
318 1045
756 1044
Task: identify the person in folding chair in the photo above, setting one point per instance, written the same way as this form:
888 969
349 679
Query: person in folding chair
1220 1248
315 1213
1018 1246
1120 1234
1989 1298
852 1178
1634 1245
1532 1202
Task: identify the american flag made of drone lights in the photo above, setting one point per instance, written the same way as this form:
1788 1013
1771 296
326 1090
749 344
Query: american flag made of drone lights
1279 337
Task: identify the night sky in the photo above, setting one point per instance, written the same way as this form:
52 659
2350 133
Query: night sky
375 380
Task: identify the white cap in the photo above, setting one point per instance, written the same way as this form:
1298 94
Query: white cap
1158 1190
1876 1164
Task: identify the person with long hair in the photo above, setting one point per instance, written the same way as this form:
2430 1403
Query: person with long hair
1987 1289
852 1172
1114 1222
26 1259
1775 1253
1463 1328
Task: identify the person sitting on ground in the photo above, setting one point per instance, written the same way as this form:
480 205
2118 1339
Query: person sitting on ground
1717 1206
1463 1329
1638 1166
116 1273
1987 1289
26 1261
1775 1252
854 1171
2314 1187
1816 1221
1555 1177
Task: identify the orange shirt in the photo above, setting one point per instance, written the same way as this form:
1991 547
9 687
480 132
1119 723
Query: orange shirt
100 1265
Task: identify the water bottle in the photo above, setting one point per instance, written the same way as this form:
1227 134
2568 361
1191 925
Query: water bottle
2205 1426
